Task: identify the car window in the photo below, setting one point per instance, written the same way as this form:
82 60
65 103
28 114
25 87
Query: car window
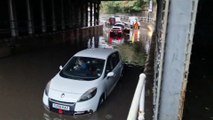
115 59
112 62
83 68
119 25
109 66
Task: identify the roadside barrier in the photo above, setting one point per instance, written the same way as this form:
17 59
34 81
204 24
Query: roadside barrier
136 111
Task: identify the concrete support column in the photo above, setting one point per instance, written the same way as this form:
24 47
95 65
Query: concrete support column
94 12
91 11
98 11
86 17
70 10
13 26
62 15
53 16
43 21
29 17
81 14
75 15
79 8
179 38
84 14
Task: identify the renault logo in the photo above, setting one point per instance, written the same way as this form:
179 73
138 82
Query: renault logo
62 95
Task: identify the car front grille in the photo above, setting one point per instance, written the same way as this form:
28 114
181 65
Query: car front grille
70 104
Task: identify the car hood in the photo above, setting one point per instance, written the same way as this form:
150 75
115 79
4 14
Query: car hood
73 89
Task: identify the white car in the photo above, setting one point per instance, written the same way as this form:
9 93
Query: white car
122 25
116 28
84 82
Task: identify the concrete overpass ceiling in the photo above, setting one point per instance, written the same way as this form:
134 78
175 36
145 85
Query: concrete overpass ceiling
28 19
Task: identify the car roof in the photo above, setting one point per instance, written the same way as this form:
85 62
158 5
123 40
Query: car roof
116 27
101 53
133 17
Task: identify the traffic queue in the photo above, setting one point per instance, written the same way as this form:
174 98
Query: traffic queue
120 30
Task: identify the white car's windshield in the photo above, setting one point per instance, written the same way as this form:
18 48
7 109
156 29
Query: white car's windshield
83 68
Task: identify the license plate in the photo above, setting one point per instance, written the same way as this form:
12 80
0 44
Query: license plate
62 107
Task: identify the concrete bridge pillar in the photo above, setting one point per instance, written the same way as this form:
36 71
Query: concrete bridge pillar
43 21
86 14
62 15
13 22
82 15
29 17
53 16
94 14
72 14
91 12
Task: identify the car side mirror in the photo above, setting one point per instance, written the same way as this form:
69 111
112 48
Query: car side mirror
110 74
60 67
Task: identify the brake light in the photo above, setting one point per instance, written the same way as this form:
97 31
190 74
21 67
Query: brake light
110 40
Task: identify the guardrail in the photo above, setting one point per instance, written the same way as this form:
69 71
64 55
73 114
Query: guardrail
146 19
136 111
140 18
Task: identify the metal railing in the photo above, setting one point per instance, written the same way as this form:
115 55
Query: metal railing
136 111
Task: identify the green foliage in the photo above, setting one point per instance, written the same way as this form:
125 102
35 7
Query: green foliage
122 6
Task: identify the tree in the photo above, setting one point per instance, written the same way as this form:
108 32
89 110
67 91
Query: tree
123 6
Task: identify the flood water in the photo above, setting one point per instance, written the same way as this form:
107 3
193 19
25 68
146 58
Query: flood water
23 77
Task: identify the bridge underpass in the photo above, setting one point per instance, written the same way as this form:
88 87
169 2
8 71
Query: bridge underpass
42 23
198 98
198 93
38 36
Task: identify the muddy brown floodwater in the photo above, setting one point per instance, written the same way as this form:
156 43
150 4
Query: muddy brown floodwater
23 77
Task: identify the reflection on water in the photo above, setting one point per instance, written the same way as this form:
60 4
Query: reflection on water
132 53
132 50
24 76
135 36
47 115
134 46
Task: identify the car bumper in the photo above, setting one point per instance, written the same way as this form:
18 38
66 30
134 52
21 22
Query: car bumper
75 108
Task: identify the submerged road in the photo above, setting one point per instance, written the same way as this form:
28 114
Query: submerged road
23 77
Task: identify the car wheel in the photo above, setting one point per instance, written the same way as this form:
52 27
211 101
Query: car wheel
101 100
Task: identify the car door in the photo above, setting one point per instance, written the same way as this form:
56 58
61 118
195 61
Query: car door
108 80
117 66
112 66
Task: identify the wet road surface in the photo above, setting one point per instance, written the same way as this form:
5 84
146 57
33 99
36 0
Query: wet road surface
23 77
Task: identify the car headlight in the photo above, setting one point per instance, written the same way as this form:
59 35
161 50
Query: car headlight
46 91
88 94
